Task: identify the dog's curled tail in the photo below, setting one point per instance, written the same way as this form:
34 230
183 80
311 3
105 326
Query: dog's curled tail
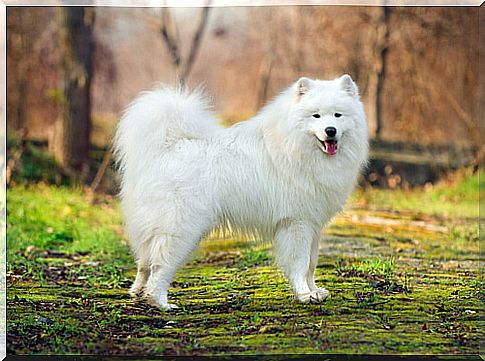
157 119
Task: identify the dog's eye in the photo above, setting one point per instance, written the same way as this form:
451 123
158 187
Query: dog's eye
316 115
337 115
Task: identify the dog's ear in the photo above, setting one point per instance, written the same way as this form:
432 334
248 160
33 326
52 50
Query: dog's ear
347 84
303 86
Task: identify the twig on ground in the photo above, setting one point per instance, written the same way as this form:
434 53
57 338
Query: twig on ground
101 171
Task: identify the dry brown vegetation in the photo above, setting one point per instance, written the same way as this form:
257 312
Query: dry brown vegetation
420 65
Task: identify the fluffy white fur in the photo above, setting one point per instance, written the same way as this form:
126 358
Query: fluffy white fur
269 177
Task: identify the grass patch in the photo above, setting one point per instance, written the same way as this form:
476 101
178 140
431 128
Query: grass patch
54 230
254 257
457 197
375 267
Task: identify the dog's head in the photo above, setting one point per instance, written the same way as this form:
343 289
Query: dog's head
329 113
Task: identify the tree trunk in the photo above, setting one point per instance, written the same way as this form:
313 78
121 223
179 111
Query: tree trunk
381 71
480 156
20 68
71 134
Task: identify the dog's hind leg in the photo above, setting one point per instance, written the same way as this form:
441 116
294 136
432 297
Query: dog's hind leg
143 271
168 254
321 293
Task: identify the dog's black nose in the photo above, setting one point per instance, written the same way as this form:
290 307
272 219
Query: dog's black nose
331 131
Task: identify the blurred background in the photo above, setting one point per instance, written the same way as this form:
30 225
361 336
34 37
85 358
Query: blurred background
71 71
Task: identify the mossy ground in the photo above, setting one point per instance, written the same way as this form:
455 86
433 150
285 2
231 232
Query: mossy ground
404 278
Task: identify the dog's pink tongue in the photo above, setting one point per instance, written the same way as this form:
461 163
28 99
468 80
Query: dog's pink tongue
331 148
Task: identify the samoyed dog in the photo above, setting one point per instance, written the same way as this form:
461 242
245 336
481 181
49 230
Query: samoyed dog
280 176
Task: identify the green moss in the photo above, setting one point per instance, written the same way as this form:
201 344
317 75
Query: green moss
400 283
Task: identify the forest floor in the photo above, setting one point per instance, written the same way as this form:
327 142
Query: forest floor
402 268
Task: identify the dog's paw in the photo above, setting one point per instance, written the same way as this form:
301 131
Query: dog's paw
323 293
168 306
320 295
136 293
153 301
163 306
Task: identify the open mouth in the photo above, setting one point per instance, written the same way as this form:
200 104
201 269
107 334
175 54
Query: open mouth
328 146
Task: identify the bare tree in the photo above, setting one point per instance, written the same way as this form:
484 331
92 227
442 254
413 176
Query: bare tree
383 47
70 143
169 31
32 63
19 43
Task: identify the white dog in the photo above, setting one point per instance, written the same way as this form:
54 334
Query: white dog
280 176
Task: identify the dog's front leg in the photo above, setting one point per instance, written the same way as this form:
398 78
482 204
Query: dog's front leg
293 251
318 293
